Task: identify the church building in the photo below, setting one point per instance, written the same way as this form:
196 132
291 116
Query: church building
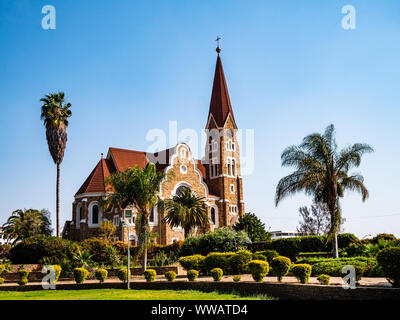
216 178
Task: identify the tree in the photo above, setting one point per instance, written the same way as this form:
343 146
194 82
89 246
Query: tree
323 173
136 187
55 116
317 221
26 223
253 226
107 231
186 210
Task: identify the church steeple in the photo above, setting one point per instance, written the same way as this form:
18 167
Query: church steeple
220 105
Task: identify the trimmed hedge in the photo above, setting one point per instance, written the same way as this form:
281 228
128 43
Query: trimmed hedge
23 277
217 273
194 262
281 266
302 272
122 274
218 260
237 278
101 275
334 268
192 275
258 269
170 276
268 254
238 262
324 279
80 275
150 275
389 260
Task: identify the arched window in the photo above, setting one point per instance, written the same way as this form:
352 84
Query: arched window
95 215
214 216
79 215
181 189
233 167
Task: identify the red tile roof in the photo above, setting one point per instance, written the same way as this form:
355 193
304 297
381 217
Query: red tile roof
220 104
124 158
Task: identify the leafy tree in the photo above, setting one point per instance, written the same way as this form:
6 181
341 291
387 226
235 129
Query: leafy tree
136 187
317 221
55 114
26 223
323 173
186 210
253 226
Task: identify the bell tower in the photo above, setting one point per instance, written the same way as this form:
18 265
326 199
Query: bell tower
222 151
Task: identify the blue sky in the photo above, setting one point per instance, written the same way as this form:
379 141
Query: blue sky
130 66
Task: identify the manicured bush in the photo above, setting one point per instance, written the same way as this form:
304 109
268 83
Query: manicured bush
1 280
324 279
80 275
217 273
57 270
194 262
302 272
222 240
2 268
258 269
150 275
192 275
237 278
23 277
389 260
281 266
218 260
101 275
122 274
239 261
170 276
334 267
257 256
269 254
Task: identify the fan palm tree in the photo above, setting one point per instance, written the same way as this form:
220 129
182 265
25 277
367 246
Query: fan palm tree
136 187
186 210
26 223
55 114
323 173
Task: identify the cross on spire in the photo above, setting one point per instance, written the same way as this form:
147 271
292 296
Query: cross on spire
218 48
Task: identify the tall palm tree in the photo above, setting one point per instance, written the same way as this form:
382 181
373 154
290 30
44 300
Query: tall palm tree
186 210
55 114
323 173
26 223
136 187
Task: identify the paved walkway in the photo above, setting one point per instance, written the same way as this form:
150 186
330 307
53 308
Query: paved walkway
365 282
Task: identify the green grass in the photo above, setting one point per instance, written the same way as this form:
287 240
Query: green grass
121 294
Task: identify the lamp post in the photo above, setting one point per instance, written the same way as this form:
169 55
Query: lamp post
125 224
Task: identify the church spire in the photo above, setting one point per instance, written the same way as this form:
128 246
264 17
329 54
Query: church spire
220 105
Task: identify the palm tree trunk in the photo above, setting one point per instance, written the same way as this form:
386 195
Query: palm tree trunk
58 200
335 249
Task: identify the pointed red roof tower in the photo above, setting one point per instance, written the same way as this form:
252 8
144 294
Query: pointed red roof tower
220 105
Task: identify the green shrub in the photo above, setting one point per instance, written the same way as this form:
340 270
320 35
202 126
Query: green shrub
258 269
101 275
170 275
237 278
57 270
218 260
150 275
217 273
281 266
192 275
357 249
334 267
269 254
238 262
302 272
389 260
23 277
80 275
324 279
195 262
222 240
1 280
122 274
34 249
2 268
257 256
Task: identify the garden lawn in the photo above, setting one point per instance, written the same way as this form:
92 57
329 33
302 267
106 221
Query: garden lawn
122 294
